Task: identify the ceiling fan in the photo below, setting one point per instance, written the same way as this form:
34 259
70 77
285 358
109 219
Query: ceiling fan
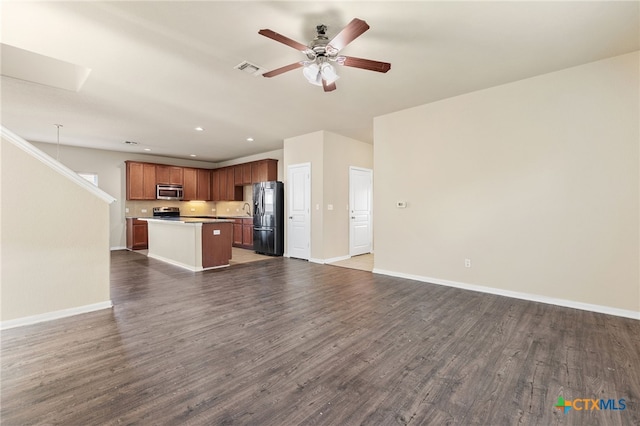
321 53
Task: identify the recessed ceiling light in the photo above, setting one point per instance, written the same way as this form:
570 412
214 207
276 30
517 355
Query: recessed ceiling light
249 139
192 155
147 149
199 129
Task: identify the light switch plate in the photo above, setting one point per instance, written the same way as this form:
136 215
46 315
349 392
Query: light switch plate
401 204
329 206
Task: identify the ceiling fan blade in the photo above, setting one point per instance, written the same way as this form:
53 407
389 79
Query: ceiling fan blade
328 87
284 69
284 40
365 64
353 30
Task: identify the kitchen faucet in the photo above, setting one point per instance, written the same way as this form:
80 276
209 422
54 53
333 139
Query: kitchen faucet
247 205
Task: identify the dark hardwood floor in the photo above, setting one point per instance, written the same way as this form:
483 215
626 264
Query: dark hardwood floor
286 342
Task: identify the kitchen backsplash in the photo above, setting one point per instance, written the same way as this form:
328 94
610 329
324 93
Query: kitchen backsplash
193 208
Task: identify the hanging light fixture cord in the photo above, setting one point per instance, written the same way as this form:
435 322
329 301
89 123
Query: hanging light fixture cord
58 146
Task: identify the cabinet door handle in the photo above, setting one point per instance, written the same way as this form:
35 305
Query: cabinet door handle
353 217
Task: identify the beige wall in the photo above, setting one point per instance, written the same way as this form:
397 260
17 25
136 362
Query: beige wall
537 182
340 153
55 240
309 148
330 156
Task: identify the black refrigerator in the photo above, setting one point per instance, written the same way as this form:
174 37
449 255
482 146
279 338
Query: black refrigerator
268 218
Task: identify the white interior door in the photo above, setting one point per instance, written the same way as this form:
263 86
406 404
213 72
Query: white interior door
360 211
299 211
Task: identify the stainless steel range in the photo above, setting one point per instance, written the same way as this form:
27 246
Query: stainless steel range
167 212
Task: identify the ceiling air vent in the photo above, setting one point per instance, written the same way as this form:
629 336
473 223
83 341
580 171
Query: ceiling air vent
249 68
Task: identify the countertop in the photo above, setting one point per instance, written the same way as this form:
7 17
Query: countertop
185 219
193 217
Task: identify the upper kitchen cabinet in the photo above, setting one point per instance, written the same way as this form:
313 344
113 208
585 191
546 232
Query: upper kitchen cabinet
196 184
190 184
169 175
264 171
141 181
203 190
242 173
224 185
215 188
234 193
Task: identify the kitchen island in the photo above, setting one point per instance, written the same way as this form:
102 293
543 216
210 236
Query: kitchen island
196 244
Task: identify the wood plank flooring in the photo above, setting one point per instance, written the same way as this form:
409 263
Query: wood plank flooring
286 342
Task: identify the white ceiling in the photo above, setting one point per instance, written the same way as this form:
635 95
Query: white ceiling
159 69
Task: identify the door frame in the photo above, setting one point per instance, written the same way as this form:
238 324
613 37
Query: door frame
307 203
351 237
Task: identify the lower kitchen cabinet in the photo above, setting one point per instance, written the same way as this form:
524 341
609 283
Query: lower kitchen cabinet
137 234
243 233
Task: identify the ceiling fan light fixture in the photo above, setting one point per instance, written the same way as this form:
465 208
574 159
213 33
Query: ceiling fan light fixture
312 73
328 73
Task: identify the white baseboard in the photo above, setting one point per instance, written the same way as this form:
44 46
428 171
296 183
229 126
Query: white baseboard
34 319
337 259
175 263
117 248
516 295
330 260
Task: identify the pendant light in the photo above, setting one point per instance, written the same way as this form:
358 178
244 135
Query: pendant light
58 146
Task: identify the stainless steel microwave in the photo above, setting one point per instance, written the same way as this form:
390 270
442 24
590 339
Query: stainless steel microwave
169 192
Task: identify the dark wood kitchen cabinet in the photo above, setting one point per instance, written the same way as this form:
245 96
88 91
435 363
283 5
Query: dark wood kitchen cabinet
169 175
247 233
141 181
197 184
237 232
215 188
137 234
234 193
224 187
242 174
203 185
190 185
264 170
243 233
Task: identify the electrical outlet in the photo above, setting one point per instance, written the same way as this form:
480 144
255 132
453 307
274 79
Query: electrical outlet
126 210
143 210
213 210
329 206
467 263
192 209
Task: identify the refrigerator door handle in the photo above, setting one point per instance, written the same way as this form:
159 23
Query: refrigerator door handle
263 229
